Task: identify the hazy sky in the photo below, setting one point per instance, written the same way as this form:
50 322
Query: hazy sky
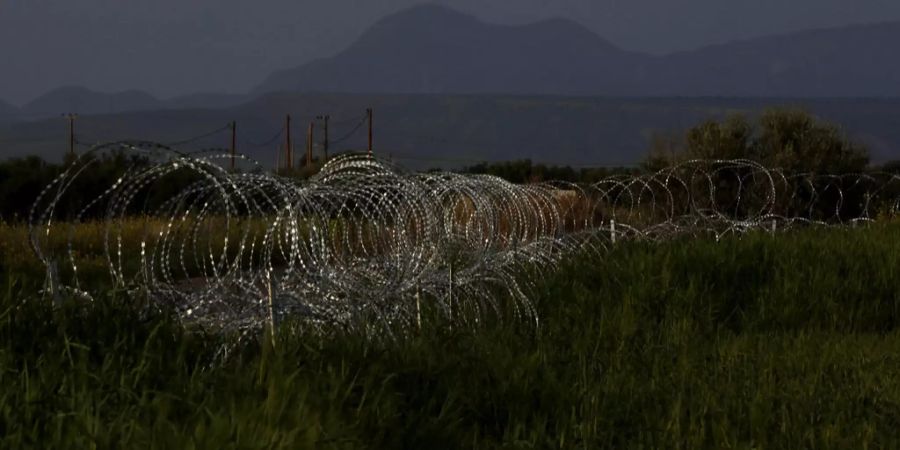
172 47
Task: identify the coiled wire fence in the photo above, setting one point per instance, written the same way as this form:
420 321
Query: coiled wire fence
364 245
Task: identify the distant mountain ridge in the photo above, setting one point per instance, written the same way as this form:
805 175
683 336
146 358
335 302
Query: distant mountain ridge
433 49
77 99
8 112
852 61
6 107
81 100
430 49
206 100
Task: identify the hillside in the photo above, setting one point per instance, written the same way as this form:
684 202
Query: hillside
432 49
6 108
85 101
857 61
7 112
206 100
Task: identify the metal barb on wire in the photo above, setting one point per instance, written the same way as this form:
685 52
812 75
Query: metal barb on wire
365 245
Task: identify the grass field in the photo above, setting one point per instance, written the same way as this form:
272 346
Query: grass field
785 341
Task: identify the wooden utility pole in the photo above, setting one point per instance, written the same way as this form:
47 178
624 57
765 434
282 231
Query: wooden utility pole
324 119
288 153
71 118
309 143
233 142
369 115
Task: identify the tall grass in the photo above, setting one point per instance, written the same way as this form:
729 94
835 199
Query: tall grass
787 341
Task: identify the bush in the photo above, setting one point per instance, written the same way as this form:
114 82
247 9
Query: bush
785 138
802 147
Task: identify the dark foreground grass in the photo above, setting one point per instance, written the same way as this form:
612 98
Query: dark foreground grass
765 342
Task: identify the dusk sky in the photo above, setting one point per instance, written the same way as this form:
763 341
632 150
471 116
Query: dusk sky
174 47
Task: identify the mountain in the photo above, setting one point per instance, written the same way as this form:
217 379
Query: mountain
432 49
855 61
6 108
85 101
8 112
206 100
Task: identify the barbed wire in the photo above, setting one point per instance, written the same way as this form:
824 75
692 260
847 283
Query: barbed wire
365 245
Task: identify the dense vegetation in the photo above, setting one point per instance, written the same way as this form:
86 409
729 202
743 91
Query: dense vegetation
786 138
786 341
22 180
789 139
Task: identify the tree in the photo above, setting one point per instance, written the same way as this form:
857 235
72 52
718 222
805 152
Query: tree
730 139
21 180
785 138
803 147
795 141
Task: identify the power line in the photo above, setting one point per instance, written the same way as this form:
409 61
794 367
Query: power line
202 136
267 143
351 120
86 140
351 132
80 137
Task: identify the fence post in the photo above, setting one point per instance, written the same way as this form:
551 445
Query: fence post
51 283
418 310
271 299
451 295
